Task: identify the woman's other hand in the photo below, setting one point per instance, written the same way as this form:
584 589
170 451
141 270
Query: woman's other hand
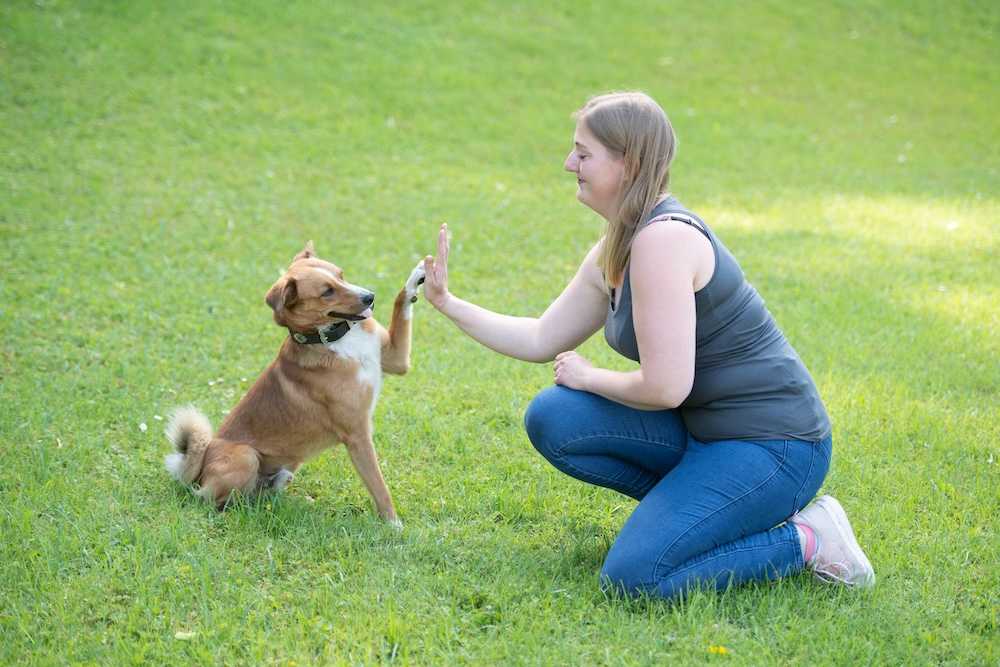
436 268
572 370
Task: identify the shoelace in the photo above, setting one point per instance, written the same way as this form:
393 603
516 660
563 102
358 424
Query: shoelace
829 574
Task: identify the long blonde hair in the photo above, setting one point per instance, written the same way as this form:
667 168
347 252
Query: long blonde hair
633 126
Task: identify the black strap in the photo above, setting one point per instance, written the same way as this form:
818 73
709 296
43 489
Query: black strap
328 334
686 219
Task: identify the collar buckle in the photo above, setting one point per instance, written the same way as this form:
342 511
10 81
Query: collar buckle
328 334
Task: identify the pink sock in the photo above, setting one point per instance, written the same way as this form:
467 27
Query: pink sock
810 549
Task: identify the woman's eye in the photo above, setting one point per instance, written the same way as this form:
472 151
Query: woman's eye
328 293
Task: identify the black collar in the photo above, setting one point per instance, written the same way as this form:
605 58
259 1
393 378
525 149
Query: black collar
328 334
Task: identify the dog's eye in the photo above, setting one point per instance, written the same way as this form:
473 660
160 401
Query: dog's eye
328 294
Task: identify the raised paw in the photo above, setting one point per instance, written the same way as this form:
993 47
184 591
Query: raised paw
415 280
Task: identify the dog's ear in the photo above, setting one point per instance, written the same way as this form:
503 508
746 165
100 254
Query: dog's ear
307 252
282 295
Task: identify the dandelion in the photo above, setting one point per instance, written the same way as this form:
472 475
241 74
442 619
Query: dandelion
718 650
143 427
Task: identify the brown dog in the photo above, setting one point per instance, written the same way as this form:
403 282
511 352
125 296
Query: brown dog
319 391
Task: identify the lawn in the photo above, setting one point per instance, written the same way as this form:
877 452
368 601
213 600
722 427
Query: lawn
161 162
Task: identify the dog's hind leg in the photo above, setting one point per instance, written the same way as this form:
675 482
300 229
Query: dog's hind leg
229 467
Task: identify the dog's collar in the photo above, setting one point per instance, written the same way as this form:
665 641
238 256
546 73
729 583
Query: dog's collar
328 334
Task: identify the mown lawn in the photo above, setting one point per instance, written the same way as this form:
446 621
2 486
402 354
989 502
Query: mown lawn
160 163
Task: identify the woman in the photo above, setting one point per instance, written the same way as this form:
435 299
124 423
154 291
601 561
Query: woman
720 434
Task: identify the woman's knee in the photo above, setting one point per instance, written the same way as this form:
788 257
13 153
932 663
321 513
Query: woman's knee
545 419
627 571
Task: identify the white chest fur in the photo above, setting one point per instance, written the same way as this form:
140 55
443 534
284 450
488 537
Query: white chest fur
364 348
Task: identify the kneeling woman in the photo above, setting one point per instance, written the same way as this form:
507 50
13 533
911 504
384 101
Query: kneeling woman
720 434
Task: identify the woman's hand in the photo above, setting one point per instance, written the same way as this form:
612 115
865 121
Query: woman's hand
436 269
572 370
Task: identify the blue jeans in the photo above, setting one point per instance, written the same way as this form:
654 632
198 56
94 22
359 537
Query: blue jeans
707 511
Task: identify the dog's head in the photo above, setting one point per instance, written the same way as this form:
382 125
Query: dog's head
313 294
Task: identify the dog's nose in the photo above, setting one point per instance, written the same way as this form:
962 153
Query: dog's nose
368 298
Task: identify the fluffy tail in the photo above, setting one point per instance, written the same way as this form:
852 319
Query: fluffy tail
191 433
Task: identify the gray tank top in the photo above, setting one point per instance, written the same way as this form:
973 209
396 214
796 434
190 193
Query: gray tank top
749 384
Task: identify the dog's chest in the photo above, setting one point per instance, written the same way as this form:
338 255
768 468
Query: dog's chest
364 348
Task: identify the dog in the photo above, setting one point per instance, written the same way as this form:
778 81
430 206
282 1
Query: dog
320 390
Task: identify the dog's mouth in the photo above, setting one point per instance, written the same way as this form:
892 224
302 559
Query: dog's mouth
351 317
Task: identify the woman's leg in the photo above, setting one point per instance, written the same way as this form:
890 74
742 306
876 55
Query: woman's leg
603 442
710 521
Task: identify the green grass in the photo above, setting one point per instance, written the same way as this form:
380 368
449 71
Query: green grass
160 162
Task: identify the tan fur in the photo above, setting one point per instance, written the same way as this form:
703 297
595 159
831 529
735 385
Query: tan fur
308 399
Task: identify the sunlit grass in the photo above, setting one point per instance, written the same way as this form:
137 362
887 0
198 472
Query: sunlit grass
160 164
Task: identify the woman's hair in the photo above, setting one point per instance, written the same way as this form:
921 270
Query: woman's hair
633 126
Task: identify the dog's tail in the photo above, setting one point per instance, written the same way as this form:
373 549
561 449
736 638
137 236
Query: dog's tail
191 433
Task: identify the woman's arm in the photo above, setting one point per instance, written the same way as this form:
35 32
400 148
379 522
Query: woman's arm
572 318
665 261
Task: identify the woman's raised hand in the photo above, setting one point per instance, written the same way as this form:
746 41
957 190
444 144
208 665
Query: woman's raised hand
436 268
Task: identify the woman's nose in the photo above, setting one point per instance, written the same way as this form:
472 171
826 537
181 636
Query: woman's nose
571 162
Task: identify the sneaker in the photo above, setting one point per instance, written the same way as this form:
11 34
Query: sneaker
838 558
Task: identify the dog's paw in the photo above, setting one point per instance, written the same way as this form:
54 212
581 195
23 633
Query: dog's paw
279 480
415 280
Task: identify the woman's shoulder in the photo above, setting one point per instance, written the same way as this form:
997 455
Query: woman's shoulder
671 245
667 236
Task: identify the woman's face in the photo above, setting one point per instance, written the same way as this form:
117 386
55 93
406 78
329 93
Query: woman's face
598 172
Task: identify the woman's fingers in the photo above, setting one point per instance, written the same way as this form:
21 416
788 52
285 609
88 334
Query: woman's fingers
443 244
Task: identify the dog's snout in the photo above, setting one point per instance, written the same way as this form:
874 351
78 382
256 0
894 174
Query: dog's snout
368 298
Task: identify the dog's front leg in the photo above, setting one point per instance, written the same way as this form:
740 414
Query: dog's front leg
362 452
396 342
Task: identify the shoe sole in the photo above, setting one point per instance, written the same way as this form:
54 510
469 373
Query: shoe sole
840 521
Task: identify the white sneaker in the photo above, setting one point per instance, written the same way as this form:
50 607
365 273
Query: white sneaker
838 558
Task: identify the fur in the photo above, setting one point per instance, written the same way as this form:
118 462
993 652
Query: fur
309 398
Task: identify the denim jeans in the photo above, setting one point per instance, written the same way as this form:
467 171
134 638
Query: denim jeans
708 513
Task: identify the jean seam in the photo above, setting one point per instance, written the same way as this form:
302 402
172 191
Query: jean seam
560 455
694 562
605 434
659 560
812 463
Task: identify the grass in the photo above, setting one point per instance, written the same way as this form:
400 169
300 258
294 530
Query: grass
160 163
